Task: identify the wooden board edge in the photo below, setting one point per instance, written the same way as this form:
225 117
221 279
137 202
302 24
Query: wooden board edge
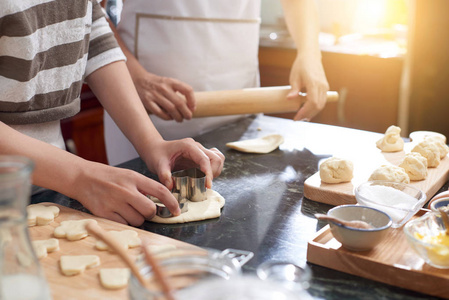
349 262
313 193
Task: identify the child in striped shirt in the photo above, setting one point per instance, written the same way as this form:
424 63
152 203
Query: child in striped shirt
48 49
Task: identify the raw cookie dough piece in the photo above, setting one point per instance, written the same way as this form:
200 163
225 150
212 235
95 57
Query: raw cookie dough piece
430 151
390 173
39 214
442 147
392 141
126 238
76 264
72 230
336 170
114 278
207 209
415 165
264 144
42 247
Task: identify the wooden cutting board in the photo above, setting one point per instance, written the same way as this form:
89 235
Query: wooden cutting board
87 285
366 158
393 261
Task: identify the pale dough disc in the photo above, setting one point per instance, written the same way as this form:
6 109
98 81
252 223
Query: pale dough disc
76 264
39 214
72 230
264 144
114 278
42 247
198 211
126 238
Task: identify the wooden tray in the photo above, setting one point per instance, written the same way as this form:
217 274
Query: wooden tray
393 261
343 193
86 285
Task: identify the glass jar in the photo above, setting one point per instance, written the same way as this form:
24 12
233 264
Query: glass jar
187 267
20 274
208 274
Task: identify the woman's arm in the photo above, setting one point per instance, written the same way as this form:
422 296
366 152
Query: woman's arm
307 71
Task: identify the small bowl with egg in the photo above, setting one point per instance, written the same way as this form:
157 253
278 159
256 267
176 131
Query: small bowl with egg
358 239
400 201
428 237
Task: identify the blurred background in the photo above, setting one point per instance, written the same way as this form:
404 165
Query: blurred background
388 59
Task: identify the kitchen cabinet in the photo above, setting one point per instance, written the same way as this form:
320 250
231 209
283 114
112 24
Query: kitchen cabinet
428 87
83 133
368 86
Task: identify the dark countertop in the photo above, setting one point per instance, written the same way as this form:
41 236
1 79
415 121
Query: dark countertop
265 210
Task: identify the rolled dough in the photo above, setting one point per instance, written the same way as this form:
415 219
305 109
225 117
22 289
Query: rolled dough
198 211
264 144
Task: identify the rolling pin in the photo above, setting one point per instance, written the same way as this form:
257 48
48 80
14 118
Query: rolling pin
266 100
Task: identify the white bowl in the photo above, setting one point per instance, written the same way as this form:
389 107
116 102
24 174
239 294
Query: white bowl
399 200
357 239
440 203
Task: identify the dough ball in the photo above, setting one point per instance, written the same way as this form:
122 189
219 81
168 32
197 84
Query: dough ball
419 136
441 144
415 165
392 141
336 170
390 173
430 151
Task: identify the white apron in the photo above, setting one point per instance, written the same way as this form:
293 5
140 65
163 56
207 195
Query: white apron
209 44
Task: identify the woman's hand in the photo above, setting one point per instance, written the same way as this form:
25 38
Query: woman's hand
167 98
307 75
167 156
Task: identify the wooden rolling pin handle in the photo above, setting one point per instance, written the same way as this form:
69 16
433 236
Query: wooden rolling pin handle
250 101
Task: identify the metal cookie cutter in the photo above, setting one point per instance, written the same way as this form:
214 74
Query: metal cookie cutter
190 184
163 212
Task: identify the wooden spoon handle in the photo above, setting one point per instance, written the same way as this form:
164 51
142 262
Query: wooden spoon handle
101 234
329 218
158 272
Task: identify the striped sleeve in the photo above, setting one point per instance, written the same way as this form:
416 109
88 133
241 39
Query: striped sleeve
103 48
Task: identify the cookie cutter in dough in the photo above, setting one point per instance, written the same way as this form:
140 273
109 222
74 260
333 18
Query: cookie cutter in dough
163 212
190 184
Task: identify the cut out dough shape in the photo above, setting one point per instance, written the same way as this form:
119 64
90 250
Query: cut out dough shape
198 211
264 144
72 230
76 264
42 247
39 214
114 278
126 238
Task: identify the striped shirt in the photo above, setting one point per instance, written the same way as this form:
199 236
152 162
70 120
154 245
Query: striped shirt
47 48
